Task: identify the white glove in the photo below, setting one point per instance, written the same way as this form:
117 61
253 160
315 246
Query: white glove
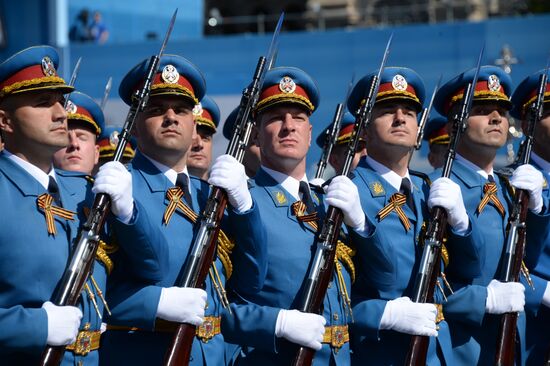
229 174
529 178
504 297
446 193
405 316
63 323
342 193
304 329
115 180
317 182
182 305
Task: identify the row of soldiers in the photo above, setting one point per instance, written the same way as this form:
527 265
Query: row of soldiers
246 313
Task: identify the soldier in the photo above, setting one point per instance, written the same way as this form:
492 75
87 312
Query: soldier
394 199
435 132
41 212
144 317
474 310
107 143
263 323
207 117
85 121
251 159
340 148
537 315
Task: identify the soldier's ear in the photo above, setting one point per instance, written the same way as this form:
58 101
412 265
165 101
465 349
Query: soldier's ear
6 123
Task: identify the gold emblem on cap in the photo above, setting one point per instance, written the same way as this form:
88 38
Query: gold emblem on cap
47 66
113 138
399 83
287 85
493 83
170 74
71 107
197 110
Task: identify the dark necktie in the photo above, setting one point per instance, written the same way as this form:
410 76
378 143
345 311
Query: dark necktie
183 182
406 190
53 190
306 197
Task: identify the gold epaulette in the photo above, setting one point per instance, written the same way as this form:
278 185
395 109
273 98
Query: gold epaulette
102 255
225 248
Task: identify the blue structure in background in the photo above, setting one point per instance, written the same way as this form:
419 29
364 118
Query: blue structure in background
330 57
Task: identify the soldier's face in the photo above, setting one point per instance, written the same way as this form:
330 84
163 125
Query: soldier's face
34 121
82 153
284 135
392 124
487 127
542 134
165 127
200 155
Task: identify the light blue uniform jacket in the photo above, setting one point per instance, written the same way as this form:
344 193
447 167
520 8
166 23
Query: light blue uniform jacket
386 268
473 332
290 247
32 262
135 305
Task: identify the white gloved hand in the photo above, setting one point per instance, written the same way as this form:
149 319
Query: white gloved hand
63 323
304 329
504 297
405 316
342 193
317 182
115 180
229 174
446 193
527 177
182 305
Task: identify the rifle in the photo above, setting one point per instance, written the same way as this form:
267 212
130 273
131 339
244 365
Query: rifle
322 267
516 235
331 134
72 81
81 263
203 250
106 93
426 278
424 119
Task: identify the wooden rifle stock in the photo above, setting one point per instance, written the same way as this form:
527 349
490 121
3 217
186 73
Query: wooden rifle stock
506 339
194 275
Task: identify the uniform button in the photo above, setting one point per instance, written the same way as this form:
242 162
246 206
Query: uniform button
329 284
335 316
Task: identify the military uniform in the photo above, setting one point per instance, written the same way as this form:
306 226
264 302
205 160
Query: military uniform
290 243
135 335
537 314
37 236
473 330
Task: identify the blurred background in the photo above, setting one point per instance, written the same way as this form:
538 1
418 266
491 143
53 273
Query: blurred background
332 40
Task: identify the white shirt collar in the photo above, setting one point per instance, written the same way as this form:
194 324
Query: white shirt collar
170 173
290 184
544 165
389 175
37 173
474 167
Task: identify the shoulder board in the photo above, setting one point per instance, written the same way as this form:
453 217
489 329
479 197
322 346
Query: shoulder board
421 175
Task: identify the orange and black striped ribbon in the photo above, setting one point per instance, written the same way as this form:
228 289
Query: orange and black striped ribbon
174 195
44 201
396 201
299 209
490 194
